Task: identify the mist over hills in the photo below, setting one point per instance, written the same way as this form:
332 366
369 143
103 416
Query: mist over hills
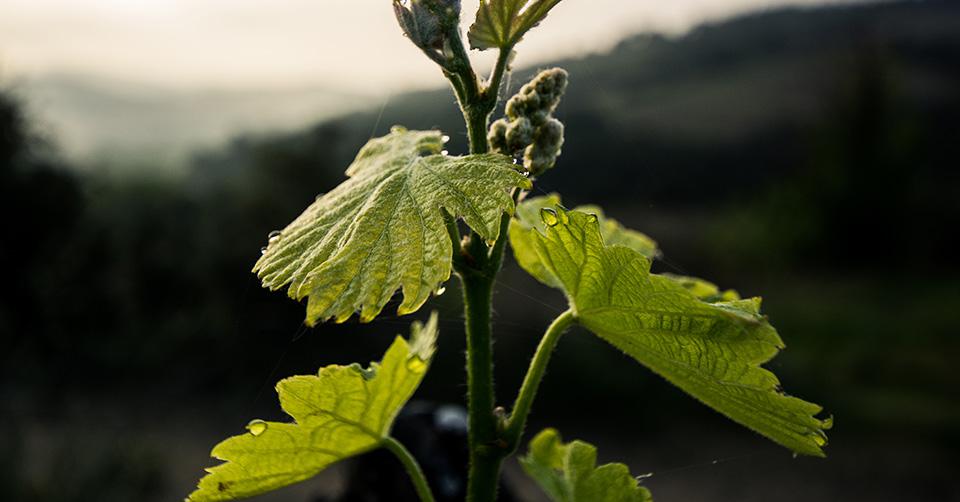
96 119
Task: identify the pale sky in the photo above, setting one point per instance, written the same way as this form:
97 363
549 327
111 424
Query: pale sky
237 44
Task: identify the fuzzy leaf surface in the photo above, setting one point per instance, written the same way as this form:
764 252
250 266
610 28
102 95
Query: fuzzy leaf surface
383 229
502 23
340 412
713 351
569 473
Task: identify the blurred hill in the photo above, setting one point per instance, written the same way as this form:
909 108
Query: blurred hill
808 154
97 119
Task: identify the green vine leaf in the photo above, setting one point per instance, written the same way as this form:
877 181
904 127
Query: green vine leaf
383 229
713 351
340 412
527 217
502 23
568 472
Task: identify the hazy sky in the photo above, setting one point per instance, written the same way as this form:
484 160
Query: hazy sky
290 43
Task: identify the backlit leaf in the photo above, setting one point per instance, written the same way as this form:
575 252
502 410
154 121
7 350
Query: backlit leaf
528 217
383 229
502 23
569 473
340 412
713 351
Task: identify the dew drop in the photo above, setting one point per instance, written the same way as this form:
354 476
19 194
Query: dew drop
445 138
441 290
257 427
263 250
320 195
274 236
592 218
416 365
445 153
549 216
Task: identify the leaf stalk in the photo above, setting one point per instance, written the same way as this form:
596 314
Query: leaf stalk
514 426
412 467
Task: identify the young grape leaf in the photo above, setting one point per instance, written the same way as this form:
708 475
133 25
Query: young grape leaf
528 217
340 412
568 472
383 228
502 23
713 351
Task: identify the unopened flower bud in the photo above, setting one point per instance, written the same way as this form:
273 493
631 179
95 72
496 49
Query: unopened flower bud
546 147
530 128
519 134
497 137
427 22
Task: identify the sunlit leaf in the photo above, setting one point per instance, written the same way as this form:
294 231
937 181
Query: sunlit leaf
713 351
340 412
569 473
383 229
502 23
528 217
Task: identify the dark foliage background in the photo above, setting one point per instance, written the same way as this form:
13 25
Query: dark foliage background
810 156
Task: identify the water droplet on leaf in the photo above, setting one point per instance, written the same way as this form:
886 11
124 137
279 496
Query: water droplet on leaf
549 216
445 153
320 195
257 427
441 290
274 236
263 250
445 138
416 365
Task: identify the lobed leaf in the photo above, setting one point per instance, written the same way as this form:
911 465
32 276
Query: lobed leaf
711 350
340 412
383 229
502 23
569 472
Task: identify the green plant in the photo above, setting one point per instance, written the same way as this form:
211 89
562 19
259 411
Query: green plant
396 224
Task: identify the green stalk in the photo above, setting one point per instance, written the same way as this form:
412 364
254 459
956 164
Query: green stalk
485 457
477 267
412 467
531 382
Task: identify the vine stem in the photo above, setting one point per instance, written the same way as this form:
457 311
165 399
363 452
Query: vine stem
485 459
513 430
477 267
412 467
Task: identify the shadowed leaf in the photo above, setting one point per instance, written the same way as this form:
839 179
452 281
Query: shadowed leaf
340 412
